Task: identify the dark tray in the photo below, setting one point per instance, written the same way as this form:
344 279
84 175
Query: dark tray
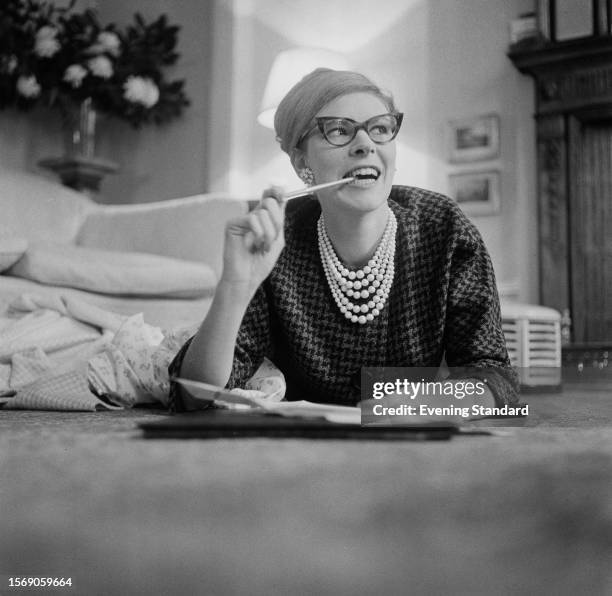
217 423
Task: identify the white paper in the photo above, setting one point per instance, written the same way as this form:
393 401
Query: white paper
295 409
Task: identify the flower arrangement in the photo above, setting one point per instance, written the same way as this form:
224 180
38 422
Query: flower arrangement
60 57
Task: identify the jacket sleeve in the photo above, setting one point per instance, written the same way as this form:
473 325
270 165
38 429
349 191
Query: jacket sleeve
474 339
253 342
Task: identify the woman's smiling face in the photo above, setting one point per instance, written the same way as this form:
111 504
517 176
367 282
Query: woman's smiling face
373 162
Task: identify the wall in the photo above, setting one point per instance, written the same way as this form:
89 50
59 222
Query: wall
442 59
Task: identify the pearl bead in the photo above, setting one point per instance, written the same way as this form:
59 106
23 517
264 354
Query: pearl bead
351 275
357 285
354 319
367 270
359 274
362 319
364 293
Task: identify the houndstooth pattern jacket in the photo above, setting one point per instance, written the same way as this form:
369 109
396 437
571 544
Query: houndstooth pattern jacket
443 304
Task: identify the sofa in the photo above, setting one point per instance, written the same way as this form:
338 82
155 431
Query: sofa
162 258
96 299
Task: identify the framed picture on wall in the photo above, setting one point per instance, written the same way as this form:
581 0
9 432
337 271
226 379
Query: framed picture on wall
478 193
474 139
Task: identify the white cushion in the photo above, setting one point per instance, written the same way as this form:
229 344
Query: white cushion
111 272
11 250
36 208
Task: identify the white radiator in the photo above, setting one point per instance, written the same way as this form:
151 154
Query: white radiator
533 340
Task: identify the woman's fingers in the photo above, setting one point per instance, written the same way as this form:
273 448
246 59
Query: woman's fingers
275 192
276 212
269 230
267 219
262 227
256 229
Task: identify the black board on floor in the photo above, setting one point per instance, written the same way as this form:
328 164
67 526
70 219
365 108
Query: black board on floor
220 423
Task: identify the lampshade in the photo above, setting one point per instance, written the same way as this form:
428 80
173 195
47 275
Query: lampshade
287 69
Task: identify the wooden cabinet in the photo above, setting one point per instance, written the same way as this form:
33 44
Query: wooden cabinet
573 88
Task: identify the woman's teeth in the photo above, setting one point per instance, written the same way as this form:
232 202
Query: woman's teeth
364 176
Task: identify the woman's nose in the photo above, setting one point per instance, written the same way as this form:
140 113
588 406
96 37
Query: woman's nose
362 144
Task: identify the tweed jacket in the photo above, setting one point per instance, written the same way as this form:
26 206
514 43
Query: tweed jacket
443 304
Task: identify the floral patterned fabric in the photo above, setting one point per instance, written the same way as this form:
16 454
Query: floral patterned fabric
66 354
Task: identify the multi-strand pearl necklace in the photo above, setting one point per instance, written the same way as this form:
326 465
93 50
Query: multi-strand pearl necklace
360 294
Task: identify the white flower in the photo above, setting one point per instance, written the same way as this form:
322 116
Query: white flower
46 32
8 64
141 90
46 44
74 75
28 86
11 65
101 66
108 41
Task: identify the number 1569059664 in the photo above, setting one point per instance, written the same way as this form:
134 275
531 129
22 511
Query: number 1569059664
24 581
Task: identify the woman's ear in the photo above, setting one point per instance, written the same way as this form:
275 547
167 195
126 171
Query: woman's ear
298 160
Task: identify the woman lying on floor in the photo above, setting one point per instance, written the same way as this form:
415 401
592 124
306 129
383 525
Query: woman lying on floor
362 274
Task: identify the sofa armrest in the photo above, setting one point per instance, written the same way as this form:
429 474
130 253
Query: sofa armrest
190 228
39 209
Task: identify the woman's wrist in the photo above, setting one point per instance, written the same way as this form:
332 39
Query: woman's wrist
239 293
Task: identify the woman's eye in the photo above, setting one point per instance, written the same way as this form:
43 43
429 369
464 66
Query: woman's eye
380 129
336 131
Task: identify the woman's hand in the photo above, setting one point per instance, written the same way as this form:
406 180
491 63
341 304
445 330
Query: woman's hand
254 242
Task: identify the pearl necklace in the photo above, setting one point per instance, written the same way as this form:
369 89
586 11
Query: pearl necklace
360 294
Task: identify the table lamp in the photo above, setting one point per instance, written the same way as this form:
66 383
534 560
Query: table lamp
287 69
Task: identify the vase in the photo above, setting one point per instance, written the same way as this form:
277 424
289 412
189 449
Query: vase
80 130
79 168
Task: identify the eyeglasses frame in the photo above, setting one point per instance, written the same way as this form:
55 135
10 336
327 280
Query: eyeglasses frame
320 123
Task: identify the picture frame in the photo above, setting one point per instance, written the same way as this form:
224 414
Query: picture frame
477 193
474 139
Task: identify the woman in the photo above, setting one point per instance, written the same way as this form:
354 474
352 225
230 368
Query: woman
363 274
